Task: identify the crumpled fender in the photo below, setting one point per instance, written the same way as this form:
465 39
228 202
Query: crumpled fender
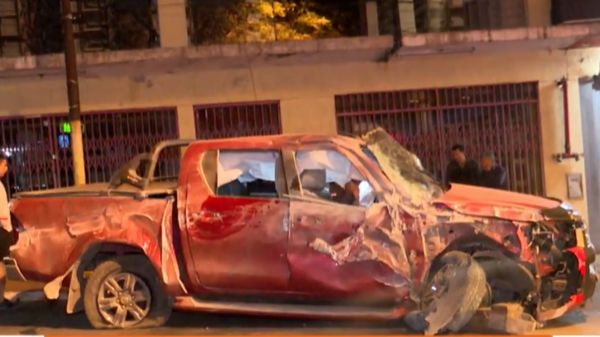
160 251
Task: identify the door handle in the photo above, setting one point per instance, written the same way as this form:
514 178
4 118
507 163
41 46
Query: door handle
317 221
205 216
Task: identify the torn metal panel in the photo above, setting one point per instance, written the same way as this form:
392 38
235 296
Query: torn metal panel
406 229
74 224
403 168
170 267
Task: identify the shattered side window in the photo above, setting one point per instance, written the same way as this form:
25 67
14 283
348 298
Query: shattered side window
329 175
245 173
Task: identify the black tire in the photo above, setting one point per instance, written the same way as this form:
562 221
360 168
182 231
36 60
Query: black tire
509 280
465 289
160 305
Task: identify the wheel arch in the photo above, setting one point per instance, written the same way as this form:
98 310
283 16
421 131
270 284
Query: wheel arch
481 246
477 242
93 255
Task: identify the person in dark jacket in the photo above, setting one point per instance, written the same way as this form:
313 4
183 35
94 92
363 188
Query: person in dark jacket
492 175
462 170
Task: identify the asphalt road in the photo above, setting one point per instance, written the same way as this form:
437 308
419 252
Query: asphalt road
45 319
42 318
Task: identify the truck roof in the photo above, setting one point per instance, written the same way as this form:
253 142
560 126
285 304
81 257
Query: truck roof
198 144
280 139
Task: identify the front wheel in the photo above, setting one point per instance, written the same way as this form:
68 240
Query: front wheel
451 294
125 292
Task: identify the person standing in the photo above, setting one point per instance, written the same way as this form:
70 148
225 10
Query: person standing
492 175
461 169
6 235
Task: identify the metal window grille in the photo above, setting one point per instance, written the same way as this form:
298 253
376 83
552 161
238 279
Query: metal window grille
40 155
500 118
237 120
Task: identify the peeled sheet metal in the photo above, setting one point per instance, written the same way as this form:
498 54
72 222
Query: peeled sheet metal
417 204
411 224
381 237
76 224
377 239
404 169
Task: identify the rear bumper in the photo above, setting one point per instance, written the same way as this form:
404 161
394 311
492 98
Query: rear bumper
13 273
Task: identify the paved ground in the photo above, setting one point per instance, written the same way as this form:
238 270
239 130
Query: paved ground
45 319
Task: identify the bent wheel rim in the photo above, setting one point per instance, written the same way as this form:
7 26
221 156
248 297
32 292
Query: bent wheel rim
124 300
438 285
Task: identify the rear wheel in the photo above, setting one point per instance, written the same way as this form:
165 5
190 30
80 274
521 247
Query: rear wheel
124 293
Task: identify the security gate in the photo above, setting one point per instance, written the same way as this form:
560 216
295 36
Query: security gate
237 120
499 118
40 154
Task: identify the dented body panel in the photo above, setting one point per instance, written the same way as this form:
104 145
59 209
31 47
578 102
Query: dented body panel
293 247
70 226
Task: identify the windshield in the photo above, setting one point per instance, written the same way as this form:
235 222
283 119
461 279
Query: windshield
401 166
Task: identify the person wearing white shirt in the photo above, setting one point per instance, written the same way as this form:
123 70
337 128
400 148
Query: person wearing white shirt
6 234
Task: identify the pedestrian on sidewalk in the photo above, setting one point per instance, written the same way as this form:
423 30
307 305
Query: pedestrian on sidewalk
461 169
492 175
6 235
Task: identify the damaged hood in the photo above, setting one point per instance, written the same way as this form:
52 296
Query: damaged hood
403 168
464 194
418 188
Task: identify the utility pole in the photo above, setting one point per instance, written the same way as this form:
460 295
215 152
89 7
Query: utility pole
73 94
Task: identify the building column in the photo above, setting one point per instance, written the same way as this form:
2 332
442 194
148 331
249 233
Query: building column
406 11
538 13
408 23
308 115
186 122
172 22
436 12
553 139
372 18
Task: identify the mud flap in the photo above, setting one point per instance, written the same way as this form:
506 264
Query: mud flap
52 288
75 301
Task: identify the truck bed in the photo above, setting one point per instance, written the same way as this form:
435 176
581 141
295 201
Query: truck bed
101 189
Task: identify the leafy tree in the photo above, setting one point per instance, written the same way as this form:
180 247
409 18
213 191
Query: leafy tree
217 21
345 16
286 20
236 21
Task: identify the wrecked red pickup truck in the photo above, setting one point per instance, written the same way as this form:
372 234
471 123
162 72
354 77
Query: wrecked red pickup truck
301 226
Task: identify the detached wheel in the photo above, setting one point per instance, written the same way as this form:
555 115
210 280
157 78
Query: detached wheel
125 293
453 291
